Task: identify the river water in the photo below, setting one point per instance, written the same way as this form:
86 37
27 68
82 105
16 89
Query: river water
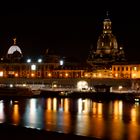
116 120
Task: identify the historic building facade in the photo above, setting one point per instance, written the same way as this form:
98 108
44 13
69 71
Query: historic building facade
13 66
126 71
108 61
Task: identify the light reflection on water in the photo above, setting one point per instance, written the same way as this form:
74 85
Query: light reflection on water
113 120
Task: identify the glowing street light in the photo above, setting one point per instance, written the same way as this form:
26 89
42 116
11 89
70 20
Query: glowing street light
61 62
39 60
28 60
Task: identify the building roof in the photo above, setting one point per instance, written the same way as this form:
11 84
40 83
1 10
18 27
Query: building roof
13 49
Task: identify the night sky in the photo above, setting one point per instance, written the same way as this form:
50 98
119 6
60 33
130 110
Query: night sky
68 29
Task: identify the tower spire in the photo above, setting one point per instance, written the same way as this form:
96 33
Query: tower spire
107 14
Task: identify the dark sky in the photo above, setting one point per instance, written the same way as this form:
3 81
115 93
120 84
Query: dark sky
70 29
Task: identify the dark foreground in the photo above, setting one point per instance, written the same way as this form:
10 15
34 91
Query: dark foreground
10 132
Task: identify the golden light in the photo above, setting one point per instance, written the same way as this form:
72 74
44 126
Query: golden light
16 114
54 104
134 75
99 108
133 114
16 74
100 74
135 68
66 105
86 75
32 74
49 104
1 73
24 85
54 85
49 74
116 75
66 74
120 87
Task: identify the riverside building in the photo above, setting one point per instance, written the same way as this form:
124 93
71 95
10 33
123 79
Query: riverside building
107 61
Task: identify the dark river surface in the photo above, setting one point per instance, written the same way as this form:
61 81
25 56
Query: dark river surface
114 120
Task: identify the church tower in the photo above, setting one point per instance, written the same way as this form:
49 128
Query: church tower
107 51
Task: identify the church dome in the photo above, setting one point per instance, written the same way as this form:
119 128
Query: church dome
107 42
107 51
14 48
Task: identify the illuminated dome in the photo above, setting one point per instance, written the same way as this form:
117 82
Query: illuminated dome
14 53
107 42
14 48
107 47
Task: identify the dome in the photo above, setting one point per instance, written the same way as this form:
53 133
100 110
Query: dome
13 49
107 42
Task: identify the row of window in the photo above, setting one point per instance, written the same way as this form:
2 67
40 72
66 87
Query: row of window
124 68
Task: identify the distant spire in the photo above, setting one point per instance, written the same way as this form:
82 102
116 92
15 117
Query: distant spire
14 39
107 13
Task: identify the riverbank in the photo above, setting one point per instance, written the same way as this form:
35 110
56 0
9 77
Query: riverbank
11 132
97 96
104 96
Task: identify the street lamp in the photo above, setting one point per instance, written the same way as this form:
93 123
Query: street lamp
39 60
28 60
61 62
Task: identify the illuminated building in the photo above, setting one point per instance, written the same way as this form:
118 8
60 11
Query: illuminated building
108 61
14 53
108 51
126 71
14 65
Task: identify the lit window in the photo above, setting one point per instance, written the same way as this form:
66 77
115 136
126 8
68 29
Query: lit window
134 75
1 73
66 74
135 68
100 74
16 74
49 74
86 75
32 74
33 67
